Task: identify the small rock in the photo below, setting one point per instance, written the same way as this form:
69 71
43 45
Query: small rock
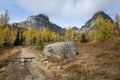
22 60
3 69
28 60
45 62
34 62
49 66
29 78
59 67
30 47
22 64
37 59
44 59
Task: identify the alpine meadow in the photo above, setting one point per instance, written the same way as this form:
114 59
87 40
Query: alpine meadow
59 40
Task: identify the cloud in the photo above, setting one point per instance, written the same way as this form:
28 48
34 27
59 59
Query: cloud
68 12
37 6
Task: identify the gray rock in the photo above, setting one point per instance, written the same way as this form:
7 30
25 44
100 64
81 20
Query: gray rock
61 49
39 22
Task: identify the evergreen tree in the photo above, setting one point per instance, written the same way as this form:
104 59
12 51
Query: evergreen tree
21 38
83 38
117 20
17 40
40 44
4 18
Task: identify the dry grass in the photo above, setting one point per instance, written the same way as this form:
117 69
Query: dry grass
7 54
110 63
95 61
112 59
81 72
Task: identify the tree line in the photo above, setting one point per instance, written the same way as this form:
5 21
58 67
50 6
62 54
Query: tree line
101 31
31 36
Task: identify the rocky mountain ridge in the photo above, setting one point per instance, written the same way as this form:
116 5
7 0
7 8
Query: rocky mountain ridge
89 24
39 22
42 21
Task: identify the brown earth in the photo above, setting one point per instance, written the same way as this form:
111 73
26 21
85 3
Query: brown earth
95 61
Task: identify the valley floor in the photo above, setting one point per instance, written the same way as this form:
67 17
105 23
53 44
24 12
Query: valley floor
92 63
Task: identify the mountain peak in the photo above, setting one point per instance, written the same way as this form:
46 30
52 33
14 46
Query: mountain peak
103 15
42 15
100 12
39 22
89 24
39 17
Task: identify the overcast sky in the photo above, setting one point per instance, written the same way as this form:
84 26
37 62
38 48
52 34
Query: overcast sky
62 12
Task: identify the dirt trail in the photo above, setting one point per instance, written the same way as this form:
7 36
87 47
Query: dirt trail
25 67
26 53
89 64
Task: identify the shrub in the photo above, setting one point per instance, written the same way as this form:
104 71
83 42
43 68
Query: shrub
83 38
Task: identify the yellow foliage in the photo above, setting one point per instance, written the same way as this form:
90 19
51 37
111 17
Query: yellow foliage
56 37
47 35
7 35
103 29
91 35
37 37
30 36
69 34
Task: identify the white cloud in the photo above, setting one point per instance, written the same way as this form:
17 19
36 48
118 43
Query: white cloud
72 11
47 6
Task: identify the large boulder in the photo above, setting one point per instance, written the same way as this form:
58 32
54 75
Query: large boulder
60 50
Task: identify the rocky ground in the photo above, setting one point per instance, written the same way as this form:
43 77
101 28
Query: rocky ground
25 67
94 62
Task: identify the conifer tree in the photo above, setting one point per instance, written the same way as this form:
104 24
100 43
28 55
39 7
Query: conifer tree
4 18
22 39
17 40
83 38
